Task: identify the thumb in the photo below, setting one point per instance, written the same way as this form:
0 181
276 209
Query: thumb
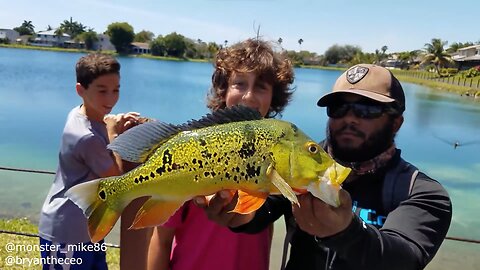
345 199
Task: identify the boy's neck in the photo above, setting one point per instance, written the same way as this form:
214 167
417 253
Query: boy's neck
91 114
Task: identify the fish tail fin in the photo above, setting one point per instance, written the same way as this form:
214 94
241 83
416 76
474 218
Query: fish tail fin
101 217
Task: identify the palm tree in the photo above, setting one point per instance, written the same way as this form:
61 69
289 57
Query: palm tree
28 25
73 28
300 41
436 54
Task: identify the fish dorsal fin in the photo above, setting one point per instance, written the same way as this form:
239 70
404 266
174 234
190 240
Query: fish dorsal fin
222 116
137 143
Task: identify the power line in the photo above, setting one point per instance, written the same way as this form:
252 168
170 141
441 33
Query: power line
460 239
26 170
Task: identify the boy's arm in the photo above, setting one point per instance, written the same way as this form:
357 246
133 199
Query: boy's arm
160 248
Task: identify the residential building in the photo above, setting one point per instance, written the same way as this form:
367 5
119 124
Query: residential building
103 43
49 39
467 57
9 34
139 48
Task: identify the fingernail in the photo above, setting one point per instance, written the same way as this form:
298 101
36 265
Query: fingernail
199 201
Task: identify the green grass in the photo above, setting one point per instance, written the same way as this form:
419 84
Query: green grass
23 242
446 84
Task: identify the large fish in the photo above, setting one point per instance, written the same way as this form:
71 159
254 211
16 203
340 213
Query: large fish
228 149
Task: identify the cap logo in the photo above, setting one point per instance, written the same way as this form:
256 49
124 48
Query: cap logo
355 74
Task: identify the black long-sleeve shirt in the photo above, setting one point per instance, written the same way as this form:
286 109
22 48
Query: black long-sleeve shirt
409 238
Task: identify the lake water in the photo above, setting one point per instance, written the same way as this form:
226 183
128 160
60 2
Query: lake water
37 90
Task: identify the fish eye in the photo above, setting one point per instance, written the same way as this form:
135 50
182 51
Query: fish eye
102 195
313 147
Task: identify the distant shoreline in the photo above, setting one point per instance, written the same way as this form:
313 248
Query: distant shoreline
471 93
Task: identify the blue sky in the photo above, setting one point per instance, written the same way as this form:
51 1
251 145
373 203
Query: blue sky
402 25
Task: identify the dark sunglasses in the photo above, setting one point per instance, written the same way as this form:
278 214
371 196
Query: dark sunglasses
360 110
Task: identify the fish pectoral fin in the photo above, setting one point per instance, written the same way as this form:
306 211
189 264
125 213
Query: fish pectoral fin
281 185
154 212
248 202
326 192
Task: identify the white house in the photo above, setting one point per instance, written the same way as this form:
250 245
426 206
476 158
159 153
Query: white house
140 47
49 38
467 57
103 43
9 34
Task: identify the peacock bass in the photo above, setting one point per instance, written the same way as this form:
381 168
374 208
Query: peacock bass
228 149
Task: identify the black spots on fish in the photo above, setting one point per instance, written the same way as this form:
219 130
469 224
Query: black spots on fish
194 161
167 157
160 170
252 170
152 174
282 135
202 142
136 180
102 195
227 175
196 178
211 174
294 127
206 154
247 150
200 164
235 178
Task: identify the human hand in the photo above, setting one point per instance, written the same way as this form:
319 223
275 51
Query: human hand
321 219
118 123
218 207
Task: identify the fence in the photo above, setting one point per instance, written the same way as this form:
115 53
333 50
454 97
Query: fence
467 240
473 82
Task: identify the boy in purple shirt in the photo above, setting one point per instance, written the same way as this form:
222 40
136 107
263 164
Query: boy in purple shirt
83 157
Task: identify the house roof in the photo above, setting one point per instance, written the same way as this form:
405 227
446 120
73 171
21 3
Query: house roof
470 47
51 33
141 45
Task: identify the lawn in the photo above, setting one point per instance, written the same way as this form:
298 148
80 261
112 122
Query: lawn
26 247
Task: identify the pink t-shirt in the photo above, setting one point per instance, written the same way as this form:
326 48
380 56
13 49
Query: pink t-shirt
204 245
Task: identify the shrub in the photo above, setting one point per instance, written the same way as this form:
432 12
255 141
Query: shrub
470 73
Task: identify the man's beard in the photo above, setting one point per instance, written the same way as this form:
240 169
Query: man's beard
378 142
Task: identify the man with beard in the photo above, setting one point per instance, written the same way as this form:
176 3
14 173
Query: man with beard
391 215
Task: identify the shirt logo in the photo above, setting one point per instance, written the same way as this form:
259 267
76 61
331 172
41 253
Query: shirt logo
355 74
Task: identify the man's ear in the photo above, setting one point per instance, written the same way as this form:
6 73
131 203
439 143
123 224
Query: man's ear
80 89
397 123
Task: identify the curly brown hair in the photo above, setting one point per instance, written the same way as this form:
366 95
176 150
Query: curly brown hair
94 65
252 55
